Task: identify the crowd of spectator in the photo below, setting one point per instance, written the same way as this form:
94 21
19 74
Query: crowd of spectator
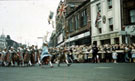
96 54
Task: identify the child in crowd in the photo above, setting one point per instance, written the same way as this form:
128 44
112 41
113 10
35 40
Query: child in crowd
114 56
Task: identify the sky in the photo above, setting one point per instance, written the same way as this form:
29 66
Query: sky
26 20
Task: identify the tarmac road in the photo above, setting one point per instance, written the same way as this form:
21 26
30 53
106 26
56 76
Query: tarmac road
76 72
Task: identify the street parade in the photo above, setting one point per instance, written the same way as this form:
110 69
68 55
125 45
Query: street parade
29 56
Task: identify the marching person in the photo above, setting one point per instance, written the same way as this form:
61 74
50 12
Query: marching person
70 55
33 55
1 62
22 54
63 56
45 56
12 53
4 53
37 55
30 55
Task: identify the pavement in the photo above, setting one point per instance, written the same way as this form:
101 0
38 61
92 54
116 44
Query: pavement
76 72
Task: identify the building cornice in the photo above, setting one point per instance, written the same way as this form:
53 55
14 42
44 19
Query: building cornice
94 1
76 9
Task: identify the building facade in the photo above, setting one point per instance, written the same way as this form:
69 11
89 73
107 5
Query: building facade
3 42
60 21
128 20
61 30
106 21
98 21
78 25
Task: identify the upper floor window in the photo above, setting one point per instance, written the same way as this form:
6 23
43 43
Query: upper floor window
100 30
83 20
98 7
109 4
84 17
99 27
132 16
77 21
70 25
111 24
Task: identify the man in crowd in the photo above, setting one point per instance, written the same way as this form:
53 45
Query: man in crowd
94 52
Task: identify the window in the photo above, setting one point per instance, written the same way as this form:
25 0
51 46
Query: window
132 16
109 4
76 22
73 28
111 24
99 27
83 20
100 30
70 25
99 7
85 17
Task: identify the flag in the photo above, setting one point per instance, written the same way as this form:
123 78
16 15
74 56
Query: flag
50 17
97 19
61 9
